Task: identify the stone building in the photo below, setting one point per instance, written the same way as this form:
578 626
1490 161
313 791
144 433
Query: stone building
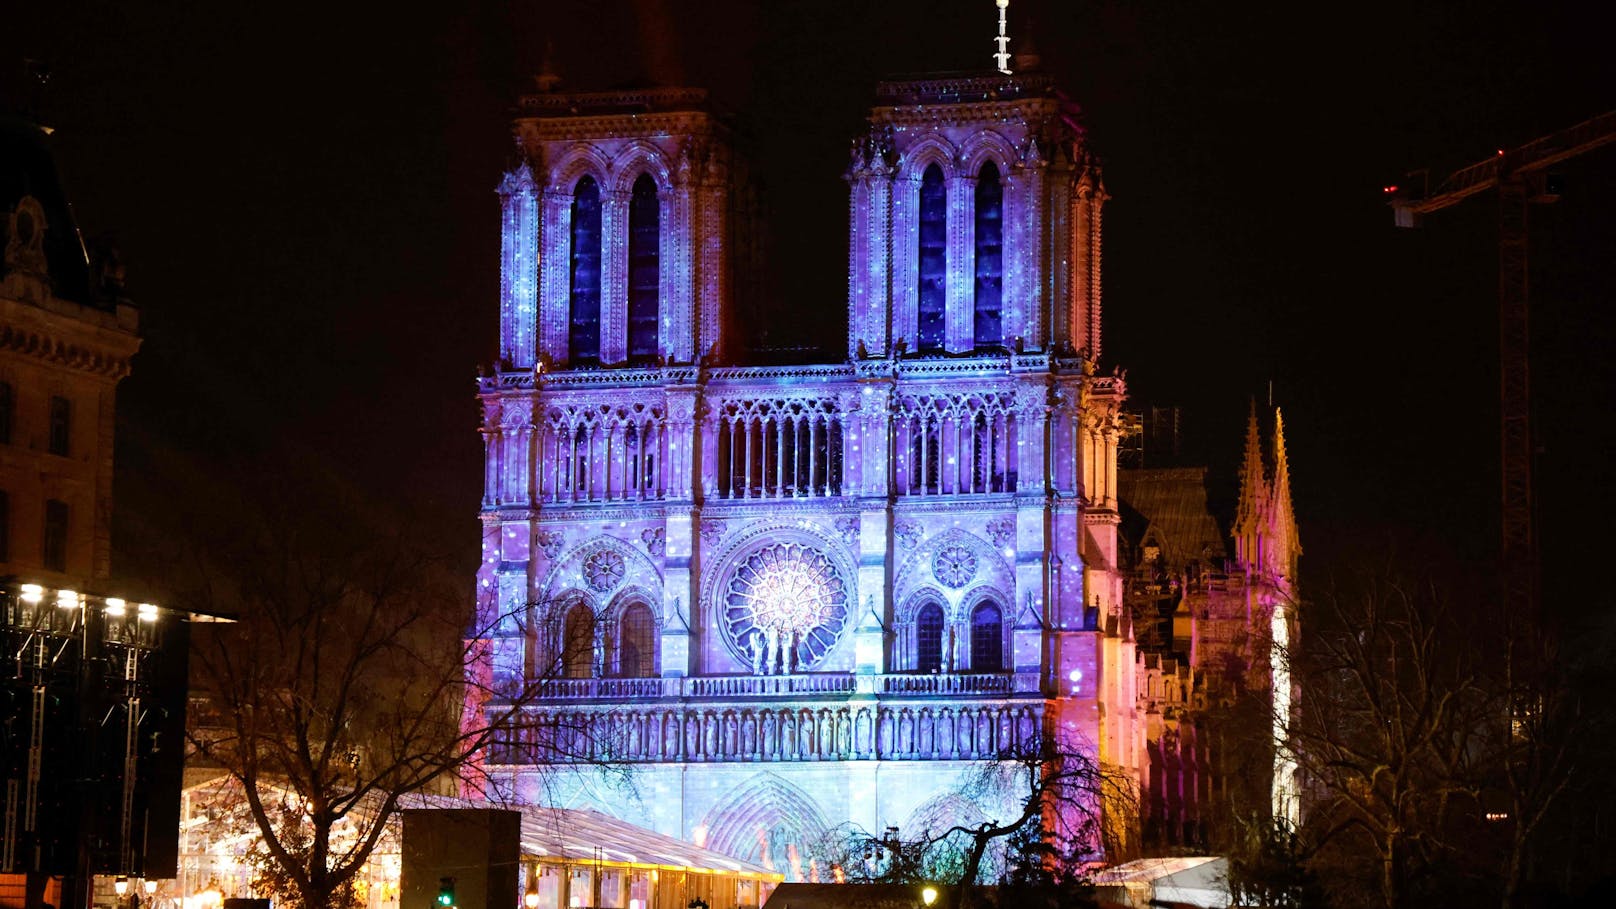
798 597
1204 620
66 337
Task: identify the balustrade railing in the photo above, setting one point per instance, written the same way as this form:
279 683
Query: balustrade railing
967 732
818 683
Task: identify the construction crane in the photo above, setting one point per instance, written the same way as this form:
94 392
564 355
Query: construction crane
1522 176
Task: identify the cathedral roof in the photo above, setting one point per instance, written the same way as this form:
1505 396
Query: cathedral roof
27 168
1171 503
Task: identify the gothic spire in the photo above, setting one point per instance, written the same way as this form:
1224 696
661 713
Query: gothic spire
1287 546
1253 487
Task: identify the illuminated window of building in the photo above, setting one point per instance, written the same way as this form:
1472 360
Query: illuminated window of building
635 642
929 638
583 329
644 272
7 410
933 260
55 535
578 642
987 638
61 425
989 257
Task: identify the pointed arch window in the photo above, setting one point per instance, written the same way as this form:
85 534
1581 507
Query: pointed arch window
644 271
933 276
578 642
636 642
989 302
987 638
583 328
929 638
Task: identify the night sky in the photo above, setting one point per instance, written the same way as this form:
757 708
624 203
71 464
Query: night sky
304 197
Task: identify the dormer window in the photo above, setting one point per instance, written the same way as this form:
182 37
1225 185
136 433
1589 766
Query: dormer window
583 327
644 270
989 300
932 330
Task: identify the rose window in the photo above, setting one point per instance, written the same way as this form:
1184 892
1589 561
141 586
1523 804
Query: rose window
603 570
954 566
785 598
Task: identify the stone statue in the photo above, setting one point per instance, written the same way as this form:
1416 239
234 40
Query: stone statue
771 665
953 649
755 643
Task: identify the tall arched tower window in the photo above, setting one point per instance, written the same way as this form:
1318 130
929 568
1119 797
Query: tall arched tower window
933 260
987 638
635 642
578 642
929 638
583 329
989 257
644 271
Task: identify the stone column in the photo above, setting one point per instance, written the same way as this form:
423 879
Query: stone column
519 267
960 322
555 289
614 276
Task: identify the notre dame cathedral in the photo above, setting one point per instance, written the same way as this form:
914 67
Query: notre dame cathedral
799 597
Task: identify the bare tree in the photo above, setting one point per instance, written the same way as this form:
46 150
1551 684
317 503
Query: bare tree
342 687
1058 797
1392 712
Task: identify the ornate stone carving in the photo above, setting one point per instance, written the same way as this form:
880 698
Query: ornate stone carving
654 539
908 533
550 542
1002 531
604 569
954 566
848 528
713 529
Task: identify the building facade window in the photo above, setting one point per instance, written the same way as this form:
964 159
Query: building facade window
583 328
933 284
61 425
578 642
989 300
55 548
929 638
8 408
636 640
644 270
987 638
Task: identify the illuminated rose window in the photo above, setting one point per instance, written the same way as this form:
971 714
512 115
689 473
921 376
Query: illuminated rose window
603 570
954 566
784 608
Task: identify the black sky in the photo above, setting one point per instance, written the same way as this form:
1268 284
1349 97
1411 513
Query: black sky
304 194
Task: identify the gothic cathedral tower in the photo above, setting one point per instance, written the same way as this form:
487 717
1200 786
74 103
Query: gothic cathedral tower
797 597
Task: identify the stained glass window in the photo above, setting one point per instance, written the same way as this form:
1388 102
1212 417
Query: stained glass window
933 260
989 257
987 638
929 638
644 273
583 329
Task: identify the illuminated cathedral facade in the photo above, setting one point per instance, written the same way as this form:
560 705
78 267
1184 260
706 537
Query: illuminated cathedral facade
798 597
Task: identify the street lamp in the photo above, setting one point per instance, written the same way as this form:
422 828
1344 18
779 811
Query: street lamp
121 887
530 899
928 895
